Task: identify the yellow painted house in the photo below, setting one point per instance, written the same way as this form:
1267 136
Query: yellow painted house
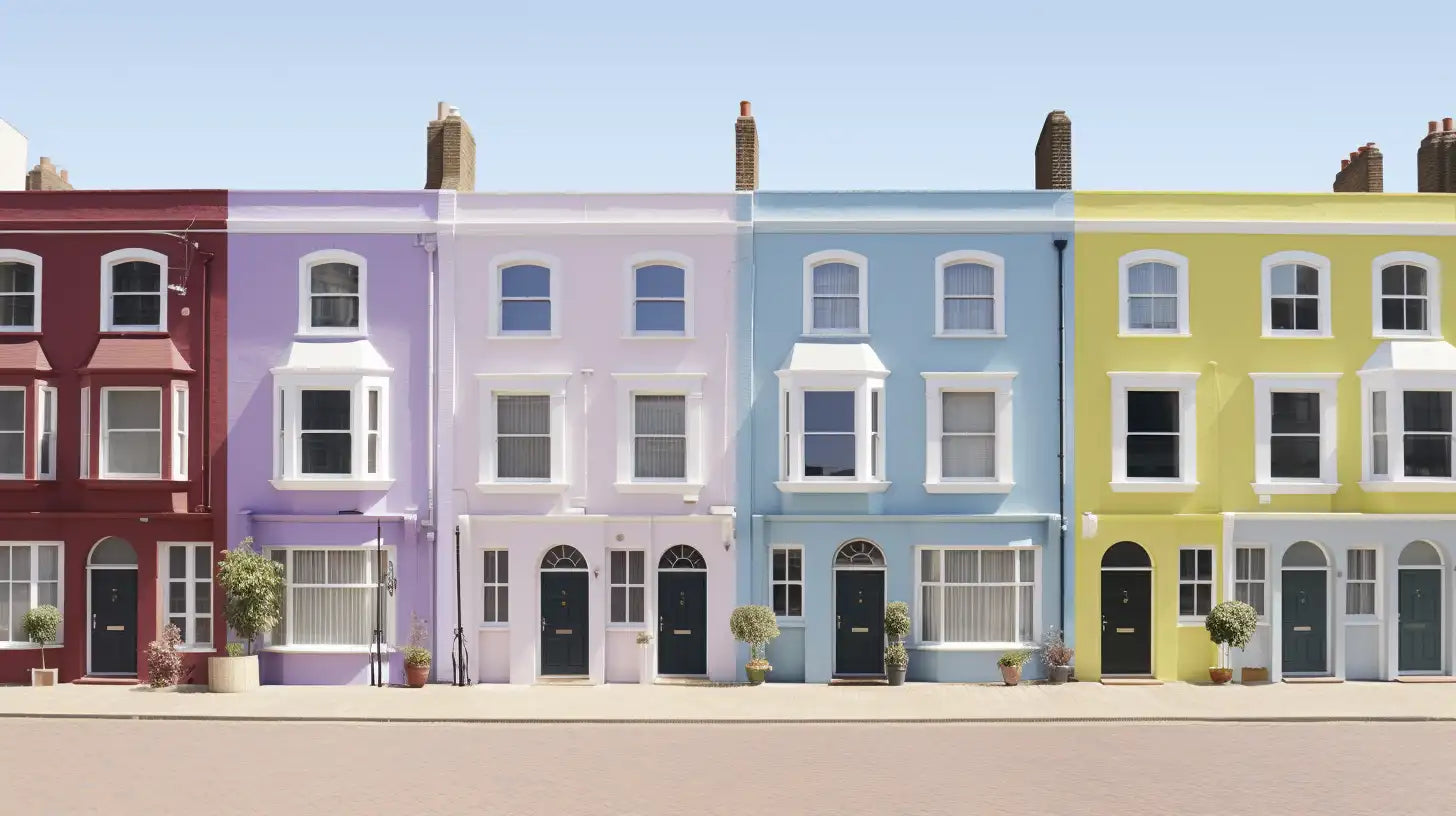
1263 396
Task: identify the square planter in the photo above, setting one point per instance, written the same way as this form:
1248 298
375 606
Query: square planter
44 677
645 675
232 674
1252 675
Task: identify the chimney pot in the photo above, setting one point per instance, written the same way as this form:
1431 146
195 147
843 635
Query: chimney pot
1446 124
442 110
1432 125
1344 163
1354 156
745 149
745 108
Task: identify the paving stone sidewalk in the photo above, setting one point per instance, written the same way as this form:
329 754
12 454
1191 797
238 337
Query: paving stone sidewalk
913 702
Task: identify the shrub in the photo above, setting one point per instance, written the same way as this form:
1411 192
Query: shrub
896 656
756 626
416 654
41 625
1054 649
897 620
1015 657
234 649
164 665
253 584
1231 623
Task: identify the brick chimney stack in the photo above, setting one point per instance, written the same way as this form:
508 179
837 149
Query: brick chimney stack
745 131
46 176
1363 172
1436 159
1054 153
449 152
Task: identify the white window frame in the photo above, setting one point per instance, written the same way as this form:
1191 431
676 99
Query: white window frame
17 637
1262 553
162 433
34 261
550 385
786 582
1326 386
1374 582
288 422
1211 582
305 293
1433 294
26 413
181 427
1395 384
688 386
1163 256
998 383
1035 584
289 604
837 256
499 555
870 449
660 258
501 262
998 293
164 566
1321 264
120 256
47 412
627 586
1186 384
86 432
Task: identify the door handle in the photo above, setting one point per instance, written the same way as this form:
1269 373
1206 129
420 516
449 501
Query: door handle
93 620
543 624
659 623
1104 623
838 623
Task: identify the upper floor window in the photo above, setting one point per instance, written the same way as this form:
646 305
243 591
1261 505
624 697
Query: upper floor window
526 296
131 433
1296 295
660 445
1153 293
660 298
1154 445
332 293
1294 433
1407 295
19 291
523 432
12 433
831 409
134 291
836 296
968 432
970 295
332 433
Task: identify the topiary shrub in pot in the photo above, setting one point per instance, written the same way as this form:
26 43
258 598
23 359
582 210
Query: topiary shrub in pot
756 626
897 627
252 584
1011 663
416 656
164 664
41 625
1057 655
1230 624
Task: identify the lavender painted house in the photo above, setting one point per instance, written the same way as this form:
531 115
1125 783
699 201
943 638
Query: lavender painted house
329 352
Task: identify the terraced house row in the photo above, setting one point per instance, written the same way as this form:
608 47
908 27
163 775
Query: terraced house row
1098 411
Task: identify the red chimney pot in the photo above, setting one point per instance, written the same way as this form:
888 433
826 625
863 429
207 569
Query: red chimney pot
1432 125
1446 124
1344 163
1354 156
744 108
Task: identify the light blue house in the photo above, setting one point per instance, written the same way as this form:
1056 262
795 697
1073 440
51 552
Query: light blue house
900 427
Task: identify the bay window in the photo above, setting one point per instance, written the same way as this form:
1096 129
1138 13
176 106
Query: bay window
30 576
12 433
831 408
332 431
1408 418
977 596
330 596
28 431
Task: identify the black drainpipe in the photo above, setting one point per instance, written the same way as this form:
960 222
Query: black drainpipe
1061 246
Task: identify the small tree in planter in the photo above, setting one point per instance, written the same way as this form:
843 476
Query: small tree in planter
1230 624
644 661
1011 663
41 626
253 584
756 626
164 664
1057 655
417 658
897 627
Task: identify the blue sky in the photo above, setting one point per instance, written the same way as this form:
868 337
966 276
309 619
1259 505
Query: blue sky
641 94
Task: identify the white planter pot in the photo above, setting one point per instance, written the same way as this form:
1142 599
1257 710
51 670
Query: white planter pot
645 670
232 674
44 677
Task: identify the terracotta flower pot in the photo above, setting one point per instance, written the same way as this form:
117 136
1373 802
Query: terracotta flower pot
1011 675
417 676
1220 676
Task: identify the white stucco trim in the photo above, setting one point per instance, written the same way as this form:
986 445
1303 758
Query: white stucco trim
1321 264
669 258
1325 385
690 387
837 256
305 292
493 316
551 385
994 382
1185 383
1433 294
111 259
35 262
998 270
1270 227
1173 259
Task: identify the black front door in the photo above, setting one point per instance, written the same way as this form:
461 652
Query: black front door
859 607
1305 631
682 621
1420 620
563 622
113 621
1127 622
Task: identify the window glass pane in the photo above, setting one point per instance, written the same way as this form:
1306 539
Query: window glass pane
17 309
348 566
1187 599
829 411
619 566
141 410
1392 313
1294 457
998 566
1295 412
967 279
177 562
503 566
619 604
177 598
657 457
1428 411
1306 314
659 281
1360 599
968 457
961 566
1205 565
1152 457
528 414
202 596
1362 565
1152 411
968 412
334 279
930 565
489 570
796 600
836 279
1187 565
1392 280
661 414
526 315
526 280
636 560
660 315
970 314
829 455
635 596
12 410
136 276
837 313
780 564
16 277
781 599
1415 280
48 566
1281 280
796 565
325 410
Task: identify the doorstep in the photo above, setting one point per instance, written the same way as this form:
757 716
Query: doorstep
1425 678
1313 680
571 680
1131 681
859 681
106 680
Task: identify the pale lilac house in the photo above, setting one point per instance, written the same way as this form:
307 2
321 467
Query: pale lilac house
329 390
586 349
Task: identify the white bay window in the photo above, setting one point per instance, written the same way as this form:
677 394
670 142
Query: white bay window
131 433
984 596
1407 417
331 417
330 597
831 409
523 433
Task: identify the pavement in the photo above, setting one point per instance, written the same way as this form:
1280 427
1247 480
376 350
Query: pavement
769 703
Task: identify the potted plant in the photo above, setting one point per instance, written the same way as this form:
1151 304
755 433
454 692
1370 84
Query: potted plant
644 663
1057 655
416 655
897 626
756 626
164 664
41 625
252 584
1011 663
1230 624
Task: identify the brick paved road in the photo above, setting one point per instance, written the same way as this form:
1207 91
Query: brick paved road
144 767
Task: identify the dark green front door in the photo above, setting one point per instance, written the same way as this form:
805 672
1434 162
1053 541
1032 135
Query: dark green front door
1305 613
564 622
1420 620
859 606
113 621
682 622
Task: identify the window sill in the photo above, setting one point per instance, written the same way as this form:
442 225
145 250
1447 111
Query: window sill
1153 487
1405 336
1295 488
8 483
812 335
969 487
502 626
27 647
331 484
684 489
1362 620
134 331
657 337
1442 486
195 649
121 483
832 487
22 332
969 336
522 487
352 334
626 627
322 650
524 336
1185 621
969 647
792 622
1153 334
1290 335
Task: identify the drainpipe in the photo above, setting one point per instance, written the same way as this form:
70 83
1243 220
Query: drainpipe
430 243
1061 246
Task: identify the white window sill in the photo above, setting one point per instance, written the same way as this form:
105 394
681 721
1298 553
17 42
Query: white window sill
969 335
627 627
1153 487
1130 333
525 336
1379 335
322 650
968 647
331 484
796 622
1184 620
319 334
522 487
26 647
195 649
969 487
498 626
1294 488
657 337
668 488
1292 335
1410 486
832 335
832 487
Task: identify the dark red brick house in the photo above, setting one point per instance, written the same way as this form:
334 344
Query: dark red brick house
112 425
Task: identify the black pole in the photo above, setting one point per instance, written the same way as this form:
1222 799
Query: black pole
1061 246
375 662
461 657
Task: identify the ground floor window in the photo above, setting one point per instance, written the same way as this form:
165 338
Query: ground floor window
1195 582
497 600
977 595
788 582
628 585
330 596
1360 582
1250 577
30 576
189 592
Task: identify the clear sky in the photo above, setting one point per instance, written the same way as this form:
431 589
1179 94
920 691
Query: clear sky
641 94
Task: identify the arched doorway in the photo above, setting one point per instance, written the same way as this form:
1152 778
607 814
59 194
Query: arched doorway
1127 610
682 612
565 612
1421 609
111 578
859 609
1304 582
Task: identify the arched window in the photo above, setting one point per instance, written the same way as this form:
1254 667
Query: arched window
1305 554
661 295
1407 295
970 296
19 291
563 557
681 557
1153 292
134 290
859 553
113 552
836 296
525 295
1296 295
1420 554
333 291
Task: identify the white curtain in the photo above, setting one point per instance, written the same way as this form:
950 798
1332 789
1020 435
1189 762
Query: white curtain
969 297
334 295
523 436
660 436
986 596
968 440
1152 296
339 609
12 432
836 296
134 432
